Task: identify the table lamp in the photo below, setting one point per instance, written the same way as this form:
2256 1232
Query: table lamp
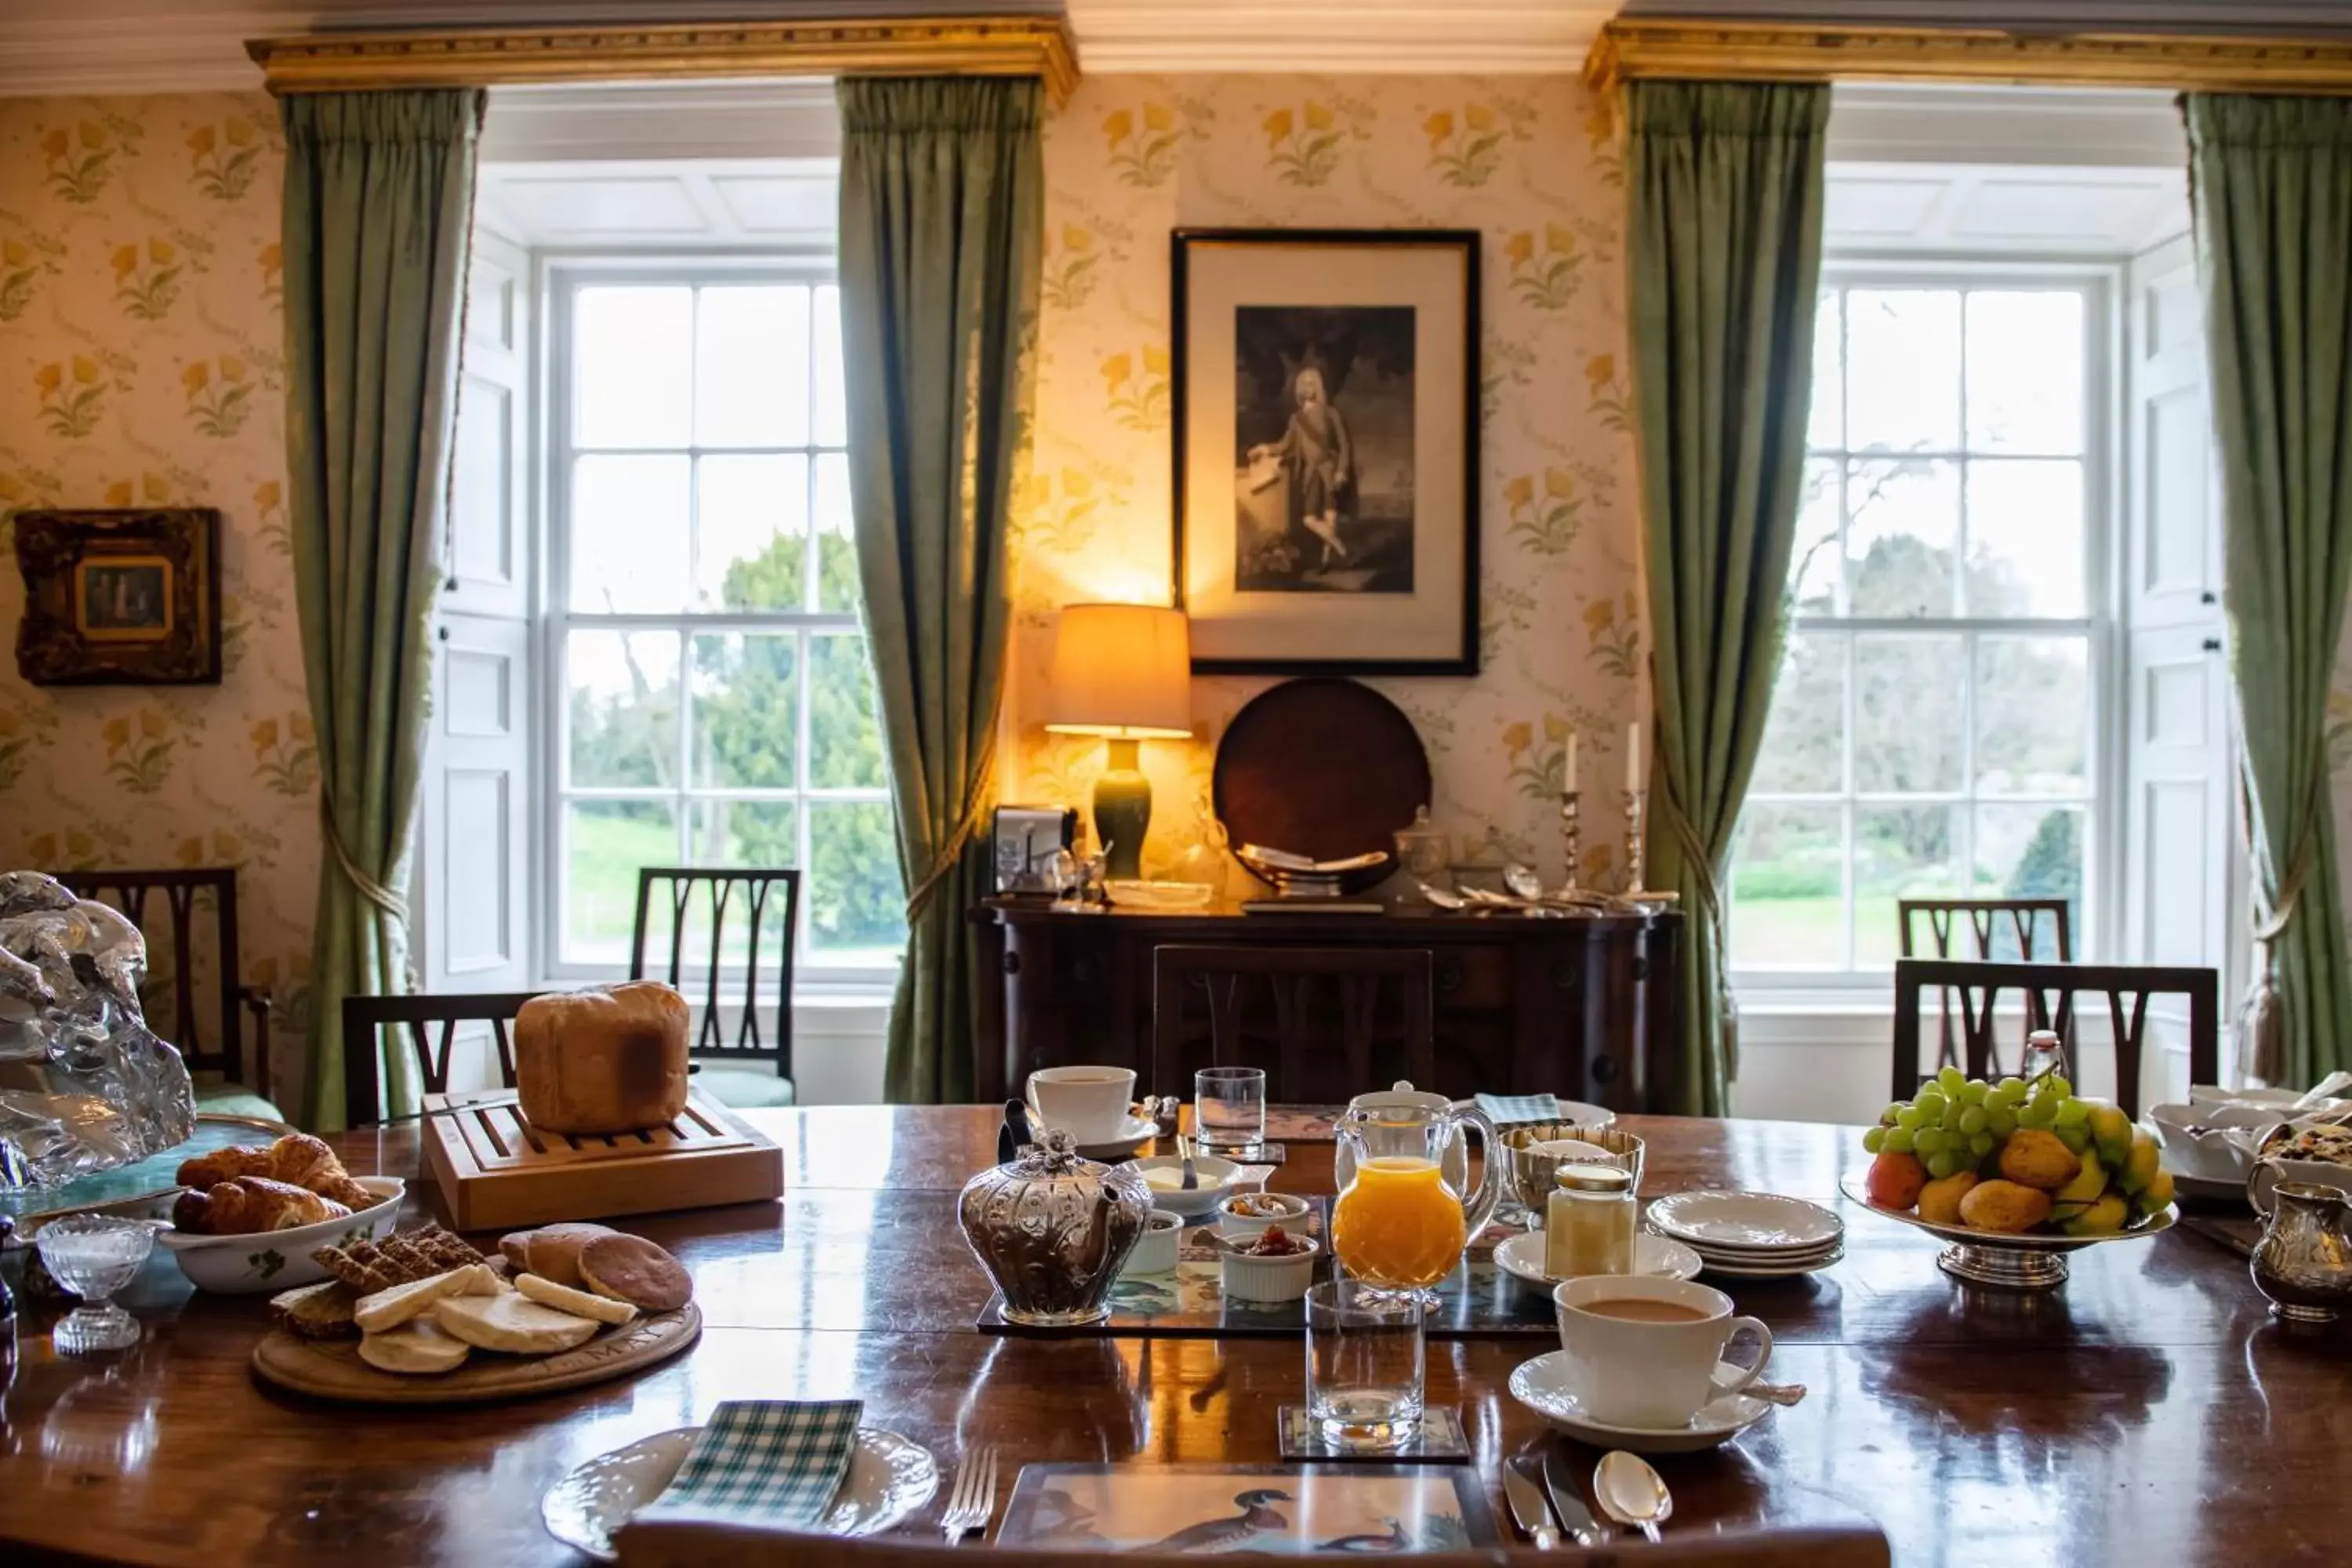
1124 671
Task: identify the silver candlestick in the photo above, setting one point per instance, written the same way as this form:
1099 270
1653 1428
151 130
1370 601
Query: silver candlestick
1635 860
1571 836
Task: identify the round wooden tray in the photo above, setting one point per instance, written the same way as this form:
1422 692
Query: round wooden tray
1321 767
331 1369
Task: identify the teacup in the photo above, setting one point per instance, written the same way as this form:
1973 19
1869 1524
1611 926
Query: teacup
1642 1350
1090 1104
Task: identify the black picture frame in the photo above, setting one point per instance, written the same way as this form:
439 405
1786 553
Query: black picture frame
1461 659
123 596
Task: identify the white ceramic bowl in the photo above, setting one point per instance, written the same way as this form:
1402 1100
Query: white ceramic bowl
1216 1180
2209 1153
1248 1227
279 1259
1156 1252
1262 1281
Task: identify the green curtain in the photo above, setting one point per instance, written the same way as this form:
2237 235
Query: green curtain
2272 179
1725 191
942 239
379 211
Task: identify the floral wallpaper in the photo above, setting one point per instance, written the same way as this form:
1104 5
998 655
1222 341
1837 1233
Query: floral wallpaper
142 362
1532 162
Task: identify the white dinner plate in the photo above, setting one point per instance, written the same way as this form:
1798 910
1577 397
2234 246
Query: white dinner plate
888 1479
1760 1223
1582 1112
1542 1385
1737 1270
1523 1257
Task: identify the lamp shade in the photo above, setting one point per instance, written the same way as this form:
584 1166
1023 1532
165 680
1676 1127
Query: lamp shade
1123 670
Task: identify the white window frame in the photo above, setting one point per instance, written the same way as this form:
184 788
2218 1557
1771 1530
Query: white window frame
2101 286
561 279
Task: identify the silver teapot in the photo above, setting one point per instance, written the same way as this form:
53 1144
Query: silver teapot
2303 1262
1051 1229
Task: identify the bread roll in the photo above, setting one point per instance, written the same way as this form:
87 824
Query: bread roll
552 1251
611 1059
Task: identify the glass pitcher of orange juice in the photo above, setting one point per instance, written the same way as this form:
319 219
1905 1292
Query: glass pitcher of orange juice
1398 1224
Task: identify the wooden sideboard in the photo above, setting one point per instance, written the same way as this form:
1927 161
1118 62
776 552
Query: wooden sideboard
1588 1008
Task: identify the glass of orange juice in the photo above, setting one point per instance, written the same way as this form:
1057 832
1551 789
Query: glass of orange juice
1398 1225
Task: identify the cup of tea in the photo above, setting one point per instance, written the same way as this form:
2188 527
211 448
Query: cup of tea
1088 1103
1642 1350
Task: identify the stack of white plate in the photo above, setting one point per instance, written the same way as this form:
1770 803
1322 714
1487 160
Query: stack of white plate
1751 1235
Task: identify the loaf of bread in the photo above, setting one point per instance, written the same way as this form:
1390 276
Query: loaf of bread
611 1059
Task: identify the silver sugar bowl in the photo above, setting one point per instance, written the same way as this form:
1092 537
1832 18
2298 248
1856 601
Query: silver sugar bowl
1051 1229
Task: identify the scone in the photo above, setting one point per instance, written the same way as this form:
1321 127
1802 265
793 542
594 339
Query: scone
415 1349
514 1323
579 1303
552 1251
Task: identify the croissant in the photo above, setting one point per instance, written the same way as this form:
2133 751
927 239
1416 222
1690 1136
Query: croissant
344 1189
219 1165
298 1158
248 1205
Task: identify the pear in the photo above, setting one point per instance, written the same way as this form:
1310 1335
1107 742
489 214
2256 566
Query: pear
2140 1166
2155 1198
2110 1131
2080 1193
2103 1217
1941 1200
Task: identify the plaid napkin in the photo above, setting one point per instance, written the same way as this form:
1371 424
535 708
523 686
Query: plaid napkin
772 1462
1504 1109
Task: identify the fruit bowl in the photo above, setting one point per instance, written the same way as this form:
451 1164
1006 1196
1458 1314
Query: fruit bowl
2015 1261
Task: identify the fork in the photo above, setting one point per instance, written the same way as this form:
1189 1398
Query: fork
974 1497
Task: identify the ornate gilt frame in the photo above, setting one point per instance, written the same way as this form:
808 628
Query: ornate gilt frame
939 46
1631 49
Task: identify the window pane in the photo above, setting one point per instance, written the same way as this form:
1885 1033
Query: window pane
836 558
2025 372
629 534
1903 370
623 712
746 709
856 907
1788 887
753 553
2025 538
829 421
738 832
1814 565
1907 708
1899 852
2034 716
1902 532
1826 427
1805 742
633 349
2032 852
845 735
750 370
604 843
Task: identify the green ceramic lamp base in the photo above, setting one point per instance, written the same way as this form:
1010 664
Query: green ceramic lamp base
1123 810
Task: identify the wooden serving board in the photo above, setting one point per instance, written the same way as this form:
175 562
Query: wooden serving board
496 1172
331 1369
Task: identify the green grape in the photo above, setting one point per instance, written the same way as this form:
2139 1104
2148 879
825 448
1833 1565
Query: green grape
1927 1139
2073 1113
2001 1121
1930 1104
2075 1138
2011 1089
1952 1079
1953 1110
1874 1140
1975 1091
1973 1121
1981 1144
1942 1165
1898 1140
1887 1117
2056 1084
2034 1113
1908 1119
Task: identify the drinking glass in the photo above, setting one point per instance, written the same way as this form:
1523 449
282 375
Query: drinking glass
94 1256
1229 1109
1364 1363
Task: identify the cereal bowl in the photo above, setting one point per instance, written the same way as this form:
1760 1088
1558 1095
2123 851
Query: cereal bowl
1267 1281
1245 1217
1161 1173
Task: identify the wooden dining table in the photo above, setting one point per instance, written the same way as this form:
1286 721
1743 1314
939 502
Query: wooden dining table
2150 1412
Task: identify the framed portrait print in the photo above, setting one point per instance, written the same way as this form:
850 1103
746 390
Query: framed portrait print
1326 392
119 597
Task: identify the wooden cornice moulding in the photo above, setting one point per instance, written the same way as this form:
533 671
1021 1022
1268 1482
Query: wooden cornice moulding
939 46
1631 49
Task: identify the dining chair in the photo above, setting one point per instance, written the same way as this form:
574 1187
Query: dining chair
2030 922
748 1070
227 1081
1372 984
697 1543
2050 990
365 1018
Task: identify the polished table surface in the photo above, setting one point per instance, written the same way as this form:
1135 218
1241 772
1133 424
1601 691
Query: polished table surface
2150 1413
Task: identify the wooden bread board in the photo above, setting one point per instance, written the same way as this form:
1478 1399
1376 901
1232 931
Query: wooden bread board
495 1172
331 1369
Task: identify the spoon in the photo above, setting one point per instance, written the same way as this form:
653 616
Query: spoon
1523 881
1443 899
1630 1492
1783 1394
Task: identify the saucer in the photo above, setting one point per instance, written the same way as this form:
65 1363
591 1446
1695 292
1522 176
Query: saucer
888 1478
1132 1134
1791 1269
1542 1385
1765 1224
1522 1255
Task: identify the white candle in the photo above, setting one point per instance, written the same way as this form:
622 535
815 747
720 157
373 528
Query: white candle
1568 768
1634 758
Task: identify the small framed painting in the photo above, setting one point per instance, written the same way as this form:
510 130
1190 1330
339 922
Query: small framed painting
119 597
1282 1510
1326 392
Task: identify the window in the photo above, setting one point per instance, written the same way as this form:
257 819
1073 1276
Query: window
1934 727
714 700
